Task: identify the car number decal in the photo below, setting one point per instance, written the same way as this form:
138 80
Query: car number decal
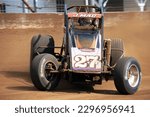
87 61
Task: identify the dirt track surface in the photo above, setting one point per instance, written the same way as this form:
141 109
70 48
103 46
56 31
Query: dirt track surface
15 36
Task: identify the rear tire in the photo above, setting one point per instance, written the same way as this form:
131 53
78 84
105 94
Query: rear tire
117 50
41 75
40 40
127 75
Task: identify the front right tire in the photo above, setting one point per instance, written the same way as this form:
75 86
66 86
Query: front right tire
127 75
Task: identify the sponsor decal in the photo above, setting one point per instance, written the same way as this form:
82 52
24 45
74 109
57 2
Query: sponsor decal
91 15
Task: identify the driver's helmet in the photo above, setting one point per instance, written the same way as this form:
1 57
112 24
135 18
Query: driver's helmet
85 21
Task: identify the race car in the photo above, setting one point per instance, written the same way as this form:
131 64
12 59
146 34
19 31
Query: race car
85 57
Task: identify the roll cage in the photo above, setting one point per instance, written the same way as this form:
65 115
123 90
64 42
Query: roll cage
78 13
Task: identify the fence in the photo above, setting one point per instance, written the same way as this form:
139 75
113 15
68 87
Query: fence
39 6
49 6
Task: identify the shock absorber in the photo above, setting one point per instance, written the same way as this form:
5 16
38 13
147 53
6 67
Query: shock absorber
108 51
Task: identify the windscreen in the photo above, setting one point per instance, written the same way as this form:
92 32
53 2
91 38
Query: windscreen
85 40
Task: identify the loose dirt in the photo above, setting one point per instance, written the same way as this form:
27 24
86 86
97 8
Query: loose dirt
16 31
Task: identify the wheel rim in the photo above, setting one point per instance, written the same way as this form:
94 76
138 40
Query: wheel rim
133 75
49 66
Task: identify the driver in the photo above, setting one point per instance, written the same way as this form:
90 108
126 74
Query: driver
88 22
85 21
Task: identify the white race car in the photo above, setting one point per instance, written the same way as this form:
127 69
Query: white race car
85 56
